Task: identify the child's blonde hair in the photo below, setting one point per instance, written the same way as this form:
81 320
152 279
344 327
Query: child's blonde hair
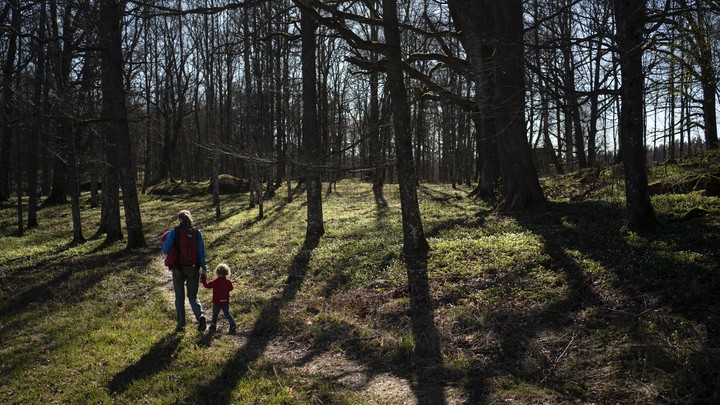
222 269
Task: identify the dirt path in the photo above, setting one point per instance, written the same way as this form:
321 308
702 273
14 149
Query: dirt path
300 361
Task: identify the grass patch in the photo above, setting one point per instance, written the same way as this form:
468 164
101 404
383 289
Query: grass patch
555 305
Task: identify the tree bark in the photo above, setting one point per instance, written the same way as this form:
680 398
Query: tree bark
310 130
33 141
66 125
630 18
571 97
474 19
115 112
702 50
378 170
414 242
7 96
521 187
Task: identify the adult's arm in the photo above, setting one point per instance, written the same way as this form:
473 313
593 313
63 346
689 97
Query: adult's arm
201 250
168 241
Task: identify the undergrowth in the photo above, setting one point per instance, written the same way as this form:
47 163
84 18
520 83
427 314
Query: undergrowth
553 305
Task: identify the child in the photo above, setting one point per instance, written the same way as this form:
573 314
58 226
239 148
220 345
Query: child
221 287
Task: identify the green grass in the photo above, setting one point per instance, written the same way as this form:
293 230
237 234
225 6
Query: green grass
554 305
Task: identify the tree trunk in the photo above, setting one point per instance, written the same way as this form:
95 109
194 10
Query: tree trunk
69 132
549 148
115 112
66 130
33 141
7 99
310 131
376 161
630 21
571 97
414 242
709 85
521 187
475 22
415 246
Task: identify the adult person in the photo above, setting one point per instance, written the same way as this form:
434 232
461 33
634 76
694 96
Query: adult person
190 252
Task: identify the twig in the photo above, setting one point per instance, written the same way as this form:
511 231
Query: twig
572 339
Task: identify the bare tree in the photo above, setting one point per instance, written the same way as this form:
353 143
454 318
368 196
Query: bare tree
8 72
475 22
414 242
521 187
311 135
115 114
698 34
630 17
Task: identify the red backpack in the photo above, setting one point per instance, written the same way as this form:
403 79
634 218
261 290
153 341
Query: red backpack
171 258
187 243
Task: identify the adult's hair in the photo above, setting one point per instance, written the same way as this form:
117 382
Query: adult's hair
186 218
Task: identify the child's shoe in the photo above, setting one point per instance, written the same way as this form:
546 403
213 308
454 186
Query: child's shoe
212 327
232 330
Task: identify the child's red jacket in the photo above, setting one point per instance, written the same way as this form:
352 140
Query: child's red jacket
221 287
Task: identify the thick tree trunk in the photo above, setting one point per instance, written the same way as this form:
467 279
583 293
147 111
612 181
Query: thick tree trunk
115 112
521 187
58 194
415 246
310 130
414 242
709 86
630 18
475 21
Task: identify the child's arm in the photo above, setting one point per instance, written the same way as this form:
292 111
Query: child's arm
203 279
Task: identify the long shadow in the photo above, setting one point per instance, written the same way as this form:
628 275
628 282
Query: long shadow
219 390
687 289
423 368
427 387
272 215
441 197
65 287
52 253
155 360
520 326
53 288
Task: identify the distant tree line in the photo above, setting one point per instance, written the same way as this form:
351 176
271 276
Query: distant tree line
116 95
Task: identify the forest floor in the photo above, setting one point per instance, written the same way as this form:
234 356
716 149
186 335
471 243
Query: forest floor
561 304
300 359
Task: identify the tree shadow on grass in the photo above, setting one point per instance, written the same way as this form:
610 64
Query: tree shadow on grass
273 213
646 280
428 388
421 366
66 283
64 286
155 360
219 390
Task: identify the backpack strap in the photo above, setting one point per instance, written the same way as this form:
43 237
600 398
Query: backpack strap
176 242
